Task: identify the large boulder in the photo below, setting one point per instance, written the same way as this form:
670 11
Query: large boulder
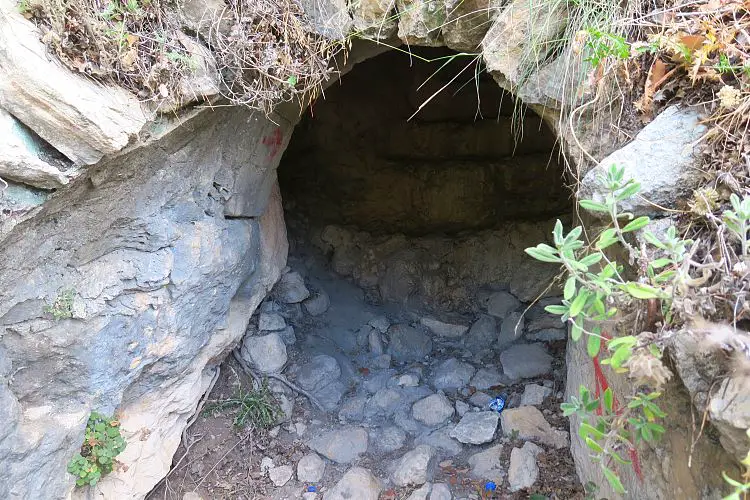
156 286
662 158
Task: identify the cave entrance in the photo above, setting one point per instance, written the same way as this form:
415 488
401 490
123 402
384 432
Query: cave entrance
425 207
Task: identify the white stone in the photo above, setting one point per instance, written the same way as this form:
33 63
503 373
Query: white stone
266 463
452 374
408 380
421 493
486 465
320 371
523 471
662 158
440 491
534 394
376 344
500 304
271 322
81 118
486 378
442 329
310 468
415 467
358 483
462 408
525 361
380 323
511 329
342 445
291 288
528 423
280 475
317 305
388 439
432 410
266 353
476 427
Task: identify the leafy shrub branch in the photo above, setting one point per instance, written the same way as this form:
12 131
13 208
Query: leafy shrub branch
595 291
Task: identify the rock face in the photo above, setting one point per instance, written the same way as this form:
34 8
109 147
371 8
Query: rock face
21 157
661 158
82 119
452 374
164 286
523 471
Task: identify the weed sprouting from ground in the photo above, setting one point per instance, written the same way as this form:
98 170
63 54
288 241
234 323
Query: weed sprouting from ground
257 408
62 307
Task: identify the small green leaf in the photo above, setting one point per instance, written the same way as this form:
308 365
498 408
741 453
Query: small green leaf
542 254
636 224
570 288
649 236
608 399
593 445
576 330
292 81
613 480
659 263
621 355
642 291
591 259
557 233
593 345
606 239
556 309
577 306
593 206
587 429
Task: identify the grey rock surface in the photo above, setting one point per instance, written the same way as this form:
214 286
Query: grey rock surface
661 157
511 329
452 374
432 410
320 371
535 394
310 468
416 467
357 483
528 423
476 427
485 465
291 288
500 304
525 361
523 471
267 353
280 475
317 305
341 445
408 344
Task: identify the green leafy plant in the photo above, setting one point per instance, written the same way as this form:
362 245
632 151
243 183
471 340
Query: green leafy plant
738 220
740 488
101 444
602 44
62 307
258 408
593 291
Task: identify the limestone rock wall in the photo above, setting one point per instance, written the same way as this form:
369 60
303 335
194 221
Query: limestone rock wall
161 280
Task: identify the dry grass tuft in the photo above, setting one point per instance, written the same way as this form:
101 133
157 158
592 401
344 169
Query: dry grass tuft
261 52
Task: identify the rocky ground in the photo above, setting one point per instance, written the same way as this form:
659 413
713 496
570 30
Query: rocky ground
405 402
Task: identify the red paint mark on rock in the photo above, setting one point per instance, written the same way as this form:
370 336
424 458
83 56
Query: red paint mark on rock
273 143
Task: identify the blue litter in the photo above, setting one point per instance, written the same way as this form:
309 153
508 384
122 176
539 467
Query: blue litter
490 486
312 489
498 404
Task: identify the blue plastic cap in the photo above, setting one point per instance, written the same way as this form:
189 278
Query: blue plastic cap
312 489
490 486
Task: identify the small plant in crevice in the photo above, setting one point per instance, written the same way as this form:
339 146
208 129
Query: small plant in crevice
101 444
594 294
741 488
257 408
62 307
